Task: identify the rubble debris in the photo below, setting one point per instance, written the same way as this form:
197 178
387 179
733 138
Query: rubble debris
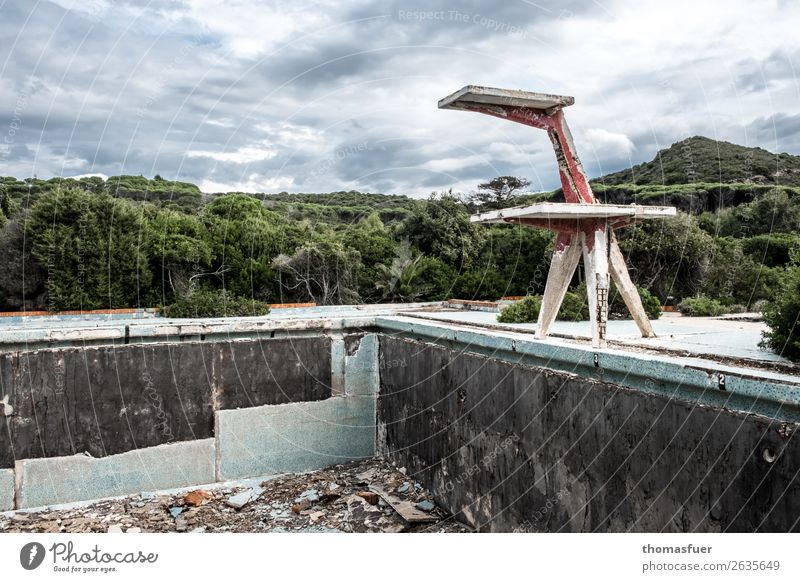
365 477
337 499
405 508
197 498
241 499
301 505
312 495
369 496
426 505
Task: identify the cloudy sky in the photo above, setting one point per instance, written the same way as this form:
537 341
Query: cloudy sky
323 95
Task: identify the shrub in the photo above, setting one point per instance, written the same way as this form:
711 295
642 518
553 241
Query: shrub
574 307
483 284
526 310
782 315
616 306
214 303
700 307
651 303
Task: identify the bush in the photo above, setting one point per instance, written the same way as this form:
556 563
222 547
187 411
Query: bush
575 307
701 307
616 305
782 315
214 303
526 310
479 284
651 303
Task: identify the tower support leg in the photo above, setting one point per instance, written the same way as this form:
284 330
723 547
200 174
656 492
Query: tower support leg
595 262
566 255
619 272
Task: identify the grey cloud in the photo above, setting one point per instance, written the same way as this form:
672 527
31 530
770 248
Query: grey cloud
781 129
137 96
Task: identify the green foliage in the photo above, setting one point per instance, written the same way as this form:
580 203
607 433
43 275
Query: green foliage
700 159
732 277
519 256
526 310
618 310
668 257
179 250
130 241
244 237
322 270
782 314
575 306
440 227
775 211
771 250
22 279
701 307
92 247
481 284
414 278
651 304
214 303
497 193
434 278
376 246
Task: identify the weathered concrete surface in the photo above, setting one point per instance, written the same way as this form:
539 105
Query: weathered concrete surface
255 373
79 477
294 437
6 489
361 377
695 380
508 447
337 365
108 400
105 401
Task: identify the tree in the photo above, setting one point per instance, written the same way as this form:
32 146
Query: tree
94 249
180 253
322 271
375 245
244 238
21 278
440 227
782 314
669 257
520 255
498 192
415 278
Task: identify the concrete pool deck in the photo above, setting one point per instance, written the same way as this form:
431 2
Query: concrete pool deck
713 337
695 335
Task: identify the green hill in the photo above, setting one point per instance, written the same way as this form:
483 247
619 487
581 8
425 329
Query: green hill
703 160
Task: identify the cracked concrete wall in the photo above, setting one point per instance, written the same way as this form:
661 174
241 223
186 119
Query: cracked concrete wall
113 399
509 447
94 423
